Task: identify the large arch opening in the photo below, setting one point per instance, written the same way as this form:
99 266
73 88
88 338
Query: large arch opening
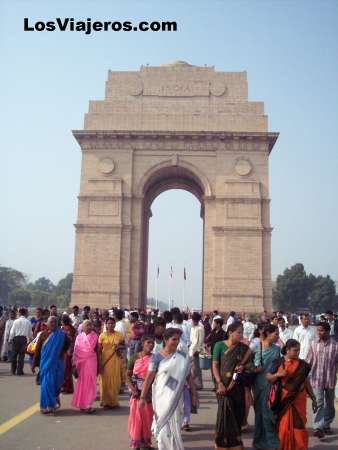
175 179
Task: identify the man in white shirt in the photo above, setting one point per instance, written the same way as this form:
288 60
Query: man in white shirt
304 334
121 325
75 317
231 319
21 333
196 346
284 333
248 328
178 323
215 315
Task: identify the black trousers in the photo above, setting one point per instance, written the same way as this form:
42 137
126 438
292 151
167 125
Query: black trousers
18 354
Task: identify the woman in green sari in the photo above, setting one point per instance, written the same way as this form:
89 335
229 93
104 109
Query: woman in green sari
265 436
229 358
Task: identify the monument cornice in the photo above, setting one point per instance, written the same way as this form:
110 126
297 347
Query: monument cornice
127 139
241 229
102 228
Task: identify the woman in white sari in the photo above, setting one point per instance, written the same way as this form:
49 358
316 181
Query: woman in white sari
168 371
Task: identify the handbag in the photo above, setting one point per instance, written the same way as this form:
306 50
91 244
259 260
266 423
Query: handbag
275 393
31 347
249 377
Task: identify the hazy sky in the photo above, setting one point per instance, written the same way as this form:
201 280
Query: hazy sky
288 48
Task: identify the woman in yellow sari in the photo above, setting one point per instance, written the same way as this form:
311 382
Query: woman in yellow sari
112 370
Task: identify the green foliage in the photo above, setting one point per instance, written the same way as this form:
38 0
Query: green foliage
40 298
20 297
14 290
322 296
42 284
151 302
9 280
291 289
63 290
62 301
296 290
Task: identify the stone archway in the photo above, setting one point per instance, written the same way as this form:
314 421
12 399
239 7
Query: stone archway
183 126
161 180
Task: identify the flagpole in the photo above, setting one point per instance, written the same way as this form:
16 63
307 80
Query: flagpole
170 288
183 300
184 280
169 300
156 289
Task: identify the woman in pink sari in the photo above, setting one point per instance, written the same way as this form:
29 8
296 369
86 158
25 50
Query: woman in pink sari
85 363
139 423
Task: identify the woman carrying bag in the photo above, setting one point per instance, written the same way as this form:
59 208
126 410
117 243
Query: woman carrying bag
290 407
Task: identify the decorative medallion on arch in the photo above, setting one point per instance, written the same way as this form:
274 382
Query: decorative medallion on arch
176 126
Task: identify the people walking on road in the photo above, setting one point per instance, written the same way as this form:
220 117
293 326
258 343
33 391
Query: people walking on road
217 334
231 319
159 329
6 350
290 410
196 347
3 319
111 363
85 364
265 436
168 371
75 317
20 335
50 349
140 420
333 322
248 328
285 333
137 331
304 334
228 362
70 332
37 322
323 359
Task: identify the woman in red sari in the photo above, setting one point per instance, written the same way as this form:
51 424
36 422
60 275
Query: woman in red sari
291 408
70 332
139 423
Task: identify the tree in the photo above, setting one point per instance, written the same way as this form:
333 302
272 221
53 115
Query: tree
20 297
40 298
151 302
10 279
62 301
43 284
64 286
322 295
63 290
292 289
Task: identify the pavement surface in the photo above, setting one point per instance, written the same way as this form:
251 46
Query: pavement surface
22 427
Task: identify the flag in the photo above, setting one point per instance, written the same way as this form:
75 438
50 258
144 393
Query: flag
158 271
184 274
171 271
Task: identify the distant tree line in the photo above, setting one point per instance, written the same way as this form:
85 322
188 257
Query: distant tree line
296 290
151 302
15 289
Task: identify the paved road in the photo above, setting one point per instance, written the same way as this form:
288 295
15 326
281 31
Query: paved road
105 430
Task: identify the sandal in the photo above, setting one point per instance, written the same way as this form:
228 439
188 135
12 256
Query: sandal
90 410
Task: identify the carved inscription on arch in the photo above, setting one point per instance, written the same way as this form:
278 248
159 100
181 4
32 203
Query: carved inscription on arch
177 89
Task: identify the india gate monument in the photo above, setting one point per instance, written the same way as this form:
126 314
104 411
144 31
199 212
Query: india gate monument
176 126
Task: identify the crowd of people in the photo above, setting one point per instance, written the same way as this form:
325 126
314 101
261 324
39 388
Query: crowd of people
266 363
